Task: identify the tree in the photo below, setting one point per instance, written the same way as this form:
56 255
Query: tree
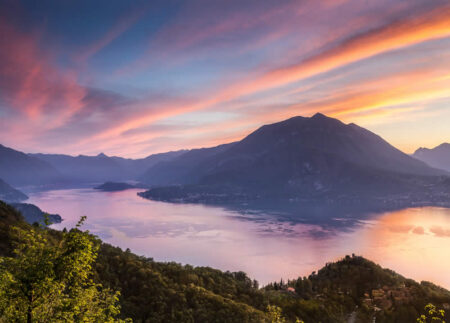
275 315
432 314
50 279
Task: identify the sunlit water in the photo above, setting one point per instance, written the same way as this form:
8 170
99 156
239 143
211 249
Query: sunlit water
413 242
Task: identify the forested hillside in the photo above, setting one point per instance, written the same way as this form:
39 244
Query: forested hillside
152 291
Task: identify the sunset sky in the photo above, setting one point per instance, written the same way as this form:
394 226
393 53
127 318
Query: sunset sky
132 78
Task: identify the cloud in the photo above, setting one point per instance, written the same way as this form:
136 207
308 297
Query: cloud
400 34
29 83
378 97
39 97
419 230
123 24
440 231
199 28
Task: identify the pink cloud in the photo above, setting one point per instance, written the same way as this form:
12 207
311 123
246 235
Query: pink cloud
30 83
419 230
440 231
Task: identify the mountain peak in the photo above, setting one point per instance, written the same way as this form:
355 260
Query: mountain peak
319 115
321 119
444 145
438 157
101 155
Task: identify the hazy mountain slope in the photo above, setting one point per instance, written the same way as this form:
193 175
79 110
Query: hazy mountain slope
20 169
101 168
313 155
31 213
10 194
438 157
137 167
85 168
183 169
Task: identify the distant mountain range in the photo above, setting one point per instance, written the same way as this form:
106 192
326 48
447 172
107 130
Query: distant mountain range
55 170
102 168
438 157
297 158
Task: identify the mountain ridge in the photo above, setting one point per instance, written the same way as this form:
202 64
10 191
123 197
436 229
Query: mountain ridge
10 194
438 157
20 169
295 158
102 168
316 153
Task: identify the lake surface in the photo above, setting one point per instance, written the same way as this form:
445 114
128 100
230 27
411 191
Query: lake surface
414 242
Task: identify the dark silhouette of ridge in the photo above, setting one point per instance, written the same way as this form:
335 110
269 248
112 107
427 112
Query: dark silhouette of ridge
298 157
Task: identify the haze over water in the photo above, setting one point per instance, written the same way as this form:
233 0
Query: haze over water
414 242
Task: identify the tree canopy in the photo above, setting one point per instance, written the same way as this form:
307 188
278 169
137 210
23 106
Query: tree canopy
48 280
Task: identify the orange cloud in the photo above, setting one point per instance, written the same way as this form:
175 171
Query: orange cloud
400 34
435 24
369 99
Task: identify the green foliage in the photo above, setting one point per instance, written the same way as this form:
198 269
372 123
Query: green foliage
275 314
432 314
8 217
49 280
341 287
169 292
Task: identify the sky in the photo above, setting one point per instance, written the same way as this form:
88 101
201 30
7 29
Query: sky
132 78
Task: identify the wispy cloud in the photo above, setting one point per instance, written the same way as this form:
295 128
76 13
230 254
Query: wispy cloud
123 24
29 82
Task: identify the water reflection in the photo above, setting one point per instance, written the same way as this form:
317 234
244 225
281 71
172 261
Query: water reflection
280 242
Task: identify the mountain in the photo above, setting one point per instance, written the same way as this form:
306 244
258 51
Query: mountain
296 158
355 289
183 169
136 167
20 169
82 168
10 194
101 168
438 157
352 289
32 214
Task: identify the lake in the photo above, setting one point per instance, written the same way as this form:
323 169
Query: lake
415 242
